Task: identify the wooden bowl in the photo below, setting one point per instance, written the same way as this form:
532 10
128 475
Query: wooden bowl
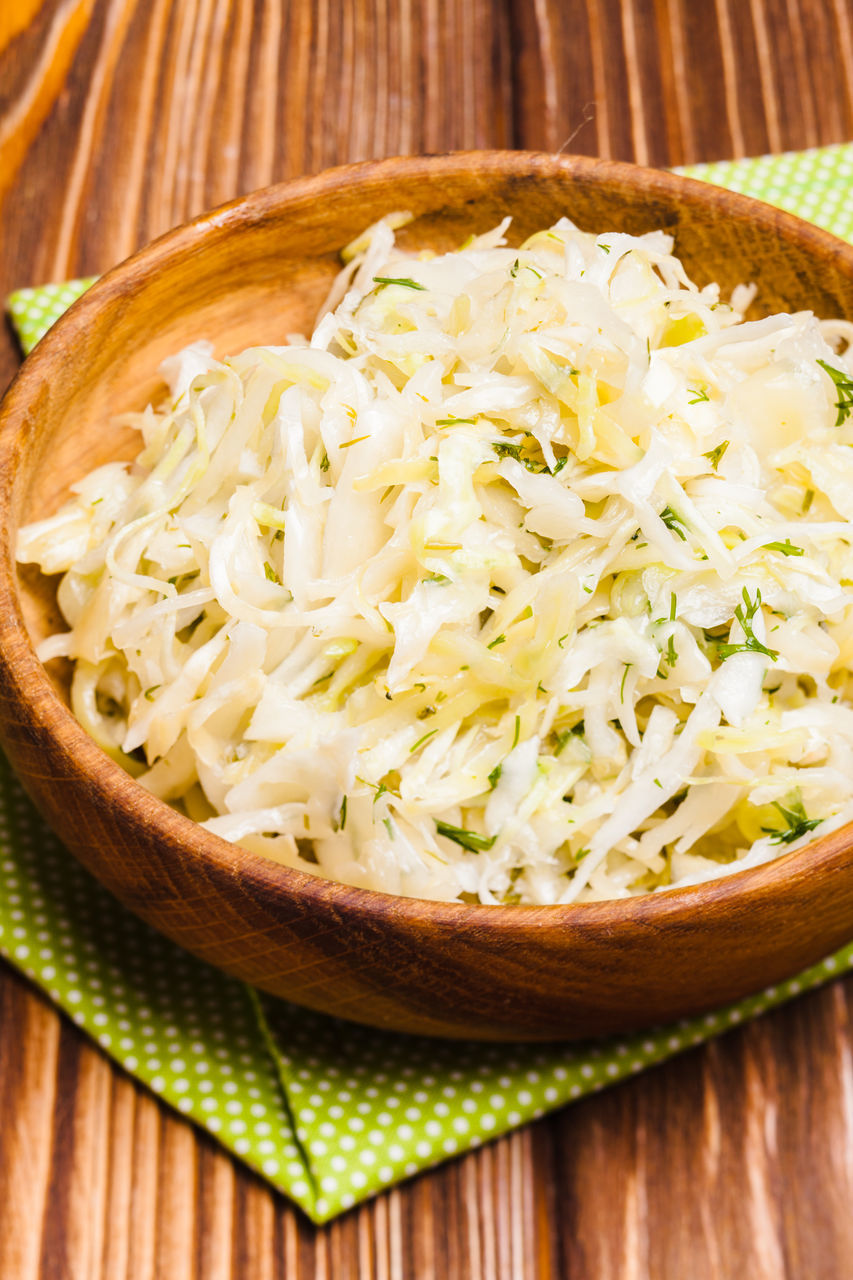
252 272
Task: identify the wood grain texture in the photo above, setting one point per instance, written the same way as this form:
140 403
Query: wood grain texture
119 118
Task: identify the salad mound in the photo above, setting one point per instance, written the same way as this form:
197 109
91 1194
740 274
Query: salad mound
527 579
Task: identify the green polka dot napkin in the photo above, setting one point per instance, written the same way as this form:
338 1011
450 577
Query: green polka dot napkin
328 1112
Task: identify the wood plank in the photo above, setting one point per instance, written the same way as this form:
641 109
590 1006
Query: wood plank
119 118
29 1054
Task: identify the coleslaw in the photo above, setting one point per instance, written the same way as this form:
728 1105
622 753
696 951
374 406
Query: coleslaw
528 578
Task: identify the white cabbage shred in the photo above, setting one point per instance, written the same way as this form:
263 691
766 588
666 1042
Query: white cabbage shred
527 579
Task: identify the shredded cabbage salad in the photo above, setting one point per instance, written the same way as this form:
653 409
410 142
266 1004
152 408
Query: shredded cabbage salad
529 578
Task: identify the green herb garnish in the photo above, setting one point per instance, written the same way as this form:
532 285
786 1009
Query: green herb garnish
787 548
671 654
470 840
505 449
844 387
382 281
674 522
797 823
324 462
714 455
495 775
497 640
422 740
628 666
745 614
699 395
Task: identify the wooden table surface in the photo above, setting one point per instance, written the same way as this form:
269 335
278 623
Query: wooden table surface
120 118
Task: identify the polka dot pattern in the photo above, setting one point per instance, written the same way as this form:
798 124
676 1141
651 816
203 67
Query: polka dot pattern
34 310
328 1112
813 184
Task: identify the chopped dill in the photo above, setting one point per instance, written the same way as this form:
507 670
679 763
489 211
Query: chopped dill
787 548
844 387
470 840
745 613
382 281
674 522
714 455
796 820
505 449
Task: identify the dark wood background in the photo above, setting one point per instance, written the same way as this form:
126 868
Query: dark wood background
120 118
